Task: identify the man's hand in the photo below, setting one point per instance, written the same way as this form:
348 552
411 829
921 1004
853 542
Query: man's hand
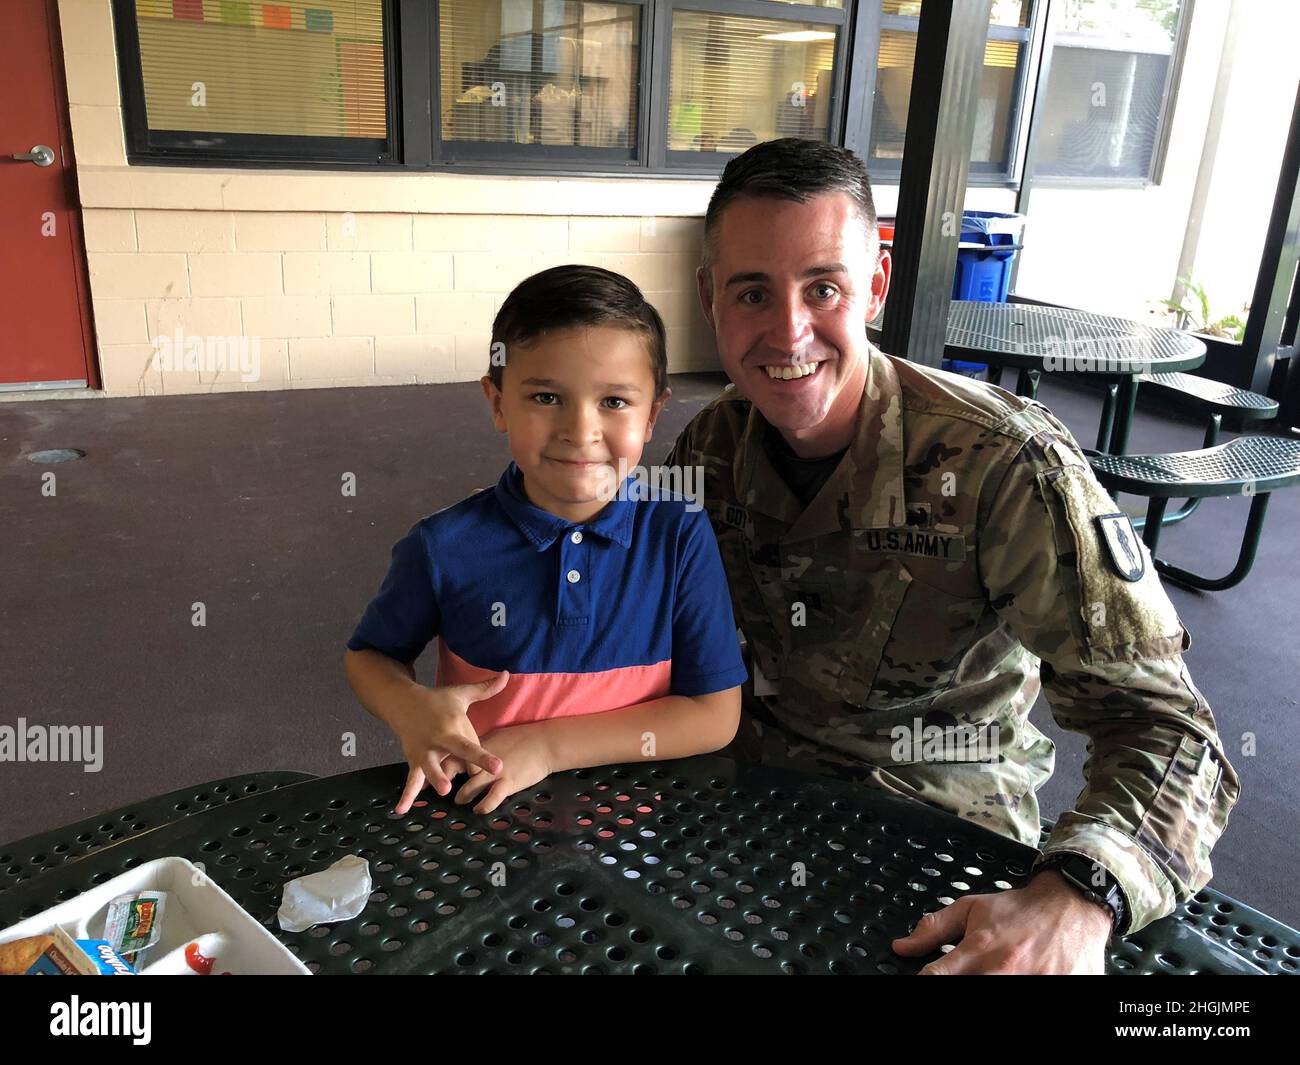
434 726
1044 927
527 762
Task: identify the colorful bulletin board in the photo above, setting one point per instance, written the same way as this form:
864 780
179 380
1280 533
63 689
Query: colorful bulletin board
312 68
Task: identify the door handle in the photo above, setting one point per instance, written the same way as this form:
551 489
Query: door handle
41 155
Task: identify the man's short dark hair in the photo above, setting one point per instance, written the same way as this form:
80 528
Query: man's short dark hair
791 168
567 296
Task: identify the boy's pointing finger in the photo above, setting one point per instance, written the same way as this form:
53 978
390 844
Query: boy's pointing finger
414 785
431 769
473 787
473 754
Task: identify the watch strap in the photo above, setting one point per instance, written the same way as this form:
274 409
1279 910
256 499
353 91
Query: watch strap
1082 873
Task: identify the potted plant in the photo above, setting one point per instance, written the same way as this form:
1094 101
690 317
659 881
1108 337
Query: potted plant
1229 327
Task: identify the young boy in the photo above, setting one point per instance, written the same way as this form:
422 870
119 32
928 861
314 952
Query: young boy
573 629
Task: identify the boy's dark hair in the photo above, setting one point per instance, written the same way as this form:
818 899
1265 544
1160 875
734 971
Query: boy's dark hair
790 168
567 296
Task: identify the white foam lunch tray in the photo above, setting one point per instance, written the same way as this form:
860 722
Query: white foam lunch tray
197 911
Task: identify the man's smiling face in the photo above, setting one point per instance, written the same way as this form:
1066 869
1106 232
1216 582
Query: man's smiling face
789 294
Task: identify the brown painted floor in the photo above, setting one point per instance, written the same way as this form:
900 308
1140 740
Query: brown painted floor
234 501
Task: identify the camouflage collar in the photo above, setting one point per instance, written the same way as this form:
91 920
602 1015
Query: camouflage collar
866 489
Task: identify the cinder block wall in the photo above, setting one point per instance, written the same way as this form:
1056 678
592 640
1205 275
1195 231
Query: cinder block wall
342 278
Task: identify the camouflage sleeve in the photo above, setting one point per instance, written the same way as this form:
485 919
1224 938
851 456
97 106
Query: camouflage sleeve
681 449
1158 785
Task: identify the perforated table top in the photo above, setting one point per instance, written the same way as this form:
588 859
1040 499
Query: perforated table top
1031 337
694 866
34 855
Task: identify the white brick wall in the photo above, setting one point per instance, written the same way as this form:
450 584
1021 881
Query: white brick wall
388 293
325 273
372 316
187 231
337 299
410 271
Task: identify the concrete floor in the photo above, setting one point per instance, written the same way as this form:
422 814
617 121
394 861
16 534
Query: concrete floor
235 501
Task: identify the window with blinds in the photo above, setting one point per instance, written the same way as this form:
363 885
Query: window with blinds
242 68
738 80
566 86
997 118
537 74
1108 92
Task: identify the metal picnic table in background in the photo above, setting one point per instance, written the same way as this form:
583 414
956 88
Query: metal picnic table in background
1034 339
695 866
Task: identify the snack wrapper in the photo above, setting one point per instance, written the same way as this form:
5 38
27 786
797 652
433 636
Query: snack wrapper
58 953
338 893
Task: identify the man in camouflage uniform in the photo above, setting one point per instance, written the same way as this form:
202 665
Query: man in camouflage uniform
911 555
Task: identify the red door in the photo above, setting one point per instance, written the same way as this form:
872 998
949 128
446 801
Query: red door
45 335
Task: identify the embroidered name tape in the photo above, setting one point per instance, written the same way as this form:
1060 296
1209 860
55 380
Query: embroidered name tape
907 541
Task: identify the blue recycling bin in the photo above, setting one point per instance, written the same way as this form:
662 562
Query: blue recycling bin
985 254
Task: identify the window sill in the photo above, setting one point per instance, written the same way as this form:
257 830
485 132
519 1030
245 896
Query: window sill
419 192
402 191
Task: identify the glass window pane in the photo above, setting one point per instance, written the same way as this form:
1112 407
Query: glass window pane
1207 219
994 121
1004 13
1010 13
311 69
1106 94
739 80
551 72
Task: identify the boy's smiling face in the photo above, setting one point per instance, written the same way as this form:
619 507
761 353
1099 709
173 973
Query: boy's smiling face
575 402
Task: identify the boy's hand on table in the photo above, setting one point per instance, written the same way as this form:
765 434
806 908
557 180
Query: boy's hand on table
526 759
434 727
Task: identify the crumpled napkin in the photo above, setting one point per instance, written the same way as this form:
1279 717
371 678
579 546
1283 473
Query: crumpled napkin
338 893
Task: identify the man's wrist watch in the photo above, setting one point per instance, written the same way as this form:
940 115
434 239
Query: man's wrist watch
1094 883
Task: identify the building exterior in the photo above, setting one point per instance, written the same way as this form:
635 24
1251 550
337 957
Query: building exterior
348 188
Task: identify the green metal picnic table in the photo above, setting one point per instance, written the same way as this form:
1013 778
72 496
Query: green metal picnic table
702 865
1039 339
28 857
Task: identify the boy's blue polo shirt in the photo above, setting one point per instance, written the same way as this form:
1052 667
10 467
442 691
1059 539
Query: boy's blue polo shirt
629 606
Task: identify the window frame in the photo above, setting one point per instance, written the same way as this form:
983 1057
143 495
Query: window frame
144 145
711 163
652 157
413 94
1164 125
1008 175
544 158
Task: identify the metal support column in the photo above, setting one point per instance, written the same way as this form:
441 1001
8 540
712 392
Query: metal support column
950 44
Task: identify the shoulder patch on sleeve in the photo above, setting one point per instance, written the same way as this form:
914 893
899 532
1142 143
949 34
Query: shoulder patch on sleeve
1125 612
1120 538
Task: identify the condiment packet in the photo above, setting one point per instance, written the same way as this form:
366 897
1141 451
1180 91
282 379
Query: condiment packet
134 922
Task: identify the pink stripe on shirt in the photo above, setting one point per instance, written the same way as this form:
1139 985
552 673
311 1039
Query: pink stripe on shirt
539 696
